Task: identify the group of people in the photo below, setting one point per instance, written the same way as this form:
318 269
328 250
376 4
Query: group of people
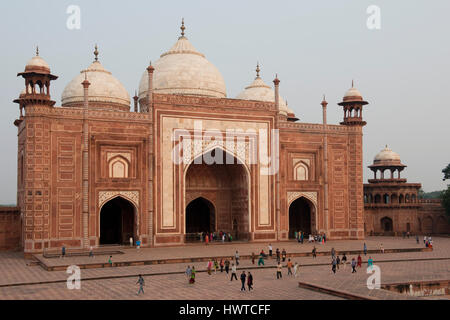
428 242
336 260
216 236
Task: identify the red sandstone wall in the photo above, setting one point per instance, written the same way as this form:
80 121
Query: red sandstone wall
10 227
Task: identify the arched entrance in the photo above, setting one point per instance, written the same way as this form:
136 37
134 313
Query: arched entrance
117 222
219 176
200 216
300 217
386 224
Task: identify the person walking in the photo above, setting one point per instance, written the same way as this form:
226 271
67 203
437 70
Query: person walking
250 281
261 260
91 252
333 253
417 239
227 265
243 277
141 284
359 261
236 257
381 248
314 252
277 252
233 272
270 250
295 269
365 249
289 267
222 264
353 265
333 265
131 241
63 251
192 279
253 258
344 260
209 266
216 266
206 239
338 262
370 263
279 268
283 255
188 272
110 261
301 237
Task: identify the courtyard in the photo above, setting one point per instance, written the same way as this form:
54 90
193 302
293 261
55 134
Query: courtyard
404 261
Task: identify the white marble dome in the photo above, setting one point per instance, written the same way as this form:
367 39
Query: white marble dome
104 89
38 62
387 155
352 92
259 91
184 70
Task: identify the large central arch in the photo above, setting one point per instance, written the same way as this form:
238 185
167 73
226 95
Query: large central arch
225 183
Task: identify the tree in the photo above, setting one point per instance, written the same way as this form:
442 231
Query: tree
446 194
446 201
446 172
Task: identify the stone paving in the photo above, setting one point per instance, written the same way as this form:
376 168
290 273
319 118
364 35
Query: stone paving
166 281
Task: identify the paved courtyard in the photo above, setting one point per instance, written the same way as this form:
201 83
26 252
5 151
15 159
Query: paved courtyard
167 281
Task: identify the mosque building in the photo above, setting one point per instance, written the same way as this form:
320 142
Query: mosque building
182 158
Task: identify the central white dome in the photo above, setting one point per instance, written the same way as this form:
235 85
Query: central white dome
184 70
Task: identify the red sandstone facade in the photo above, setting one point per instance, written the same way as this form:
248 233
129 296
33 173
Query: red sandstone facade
320 164
392 206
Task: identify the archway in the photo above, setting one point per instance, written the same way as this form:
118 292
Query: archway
221 177
117 222
386 224
200 216
300 217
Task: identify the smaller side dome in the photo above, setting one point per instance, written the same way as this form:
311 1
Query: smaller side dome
37 64
105 91
352 94
387 155
258 90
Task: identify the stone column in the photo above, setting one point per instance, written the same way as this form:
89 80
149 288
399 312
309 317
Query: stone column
150 70
277 174
325 163
85 166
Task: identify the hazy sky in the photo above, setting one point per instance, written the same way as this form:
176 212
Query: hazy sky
316 47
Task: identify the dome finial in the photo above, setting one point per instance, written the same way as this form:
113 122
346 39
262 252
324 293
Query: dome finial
257 70
37 51
182 28
96 53
352 83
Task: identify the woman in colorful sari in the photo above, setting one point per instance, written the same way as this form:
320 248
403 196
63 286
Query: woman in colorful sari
209 267
192 279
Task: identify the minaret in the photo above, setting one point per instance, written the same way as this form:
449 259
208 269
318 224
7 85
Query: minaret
352 104
135 98
37 84
150 71
276 82
324 104
85 162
